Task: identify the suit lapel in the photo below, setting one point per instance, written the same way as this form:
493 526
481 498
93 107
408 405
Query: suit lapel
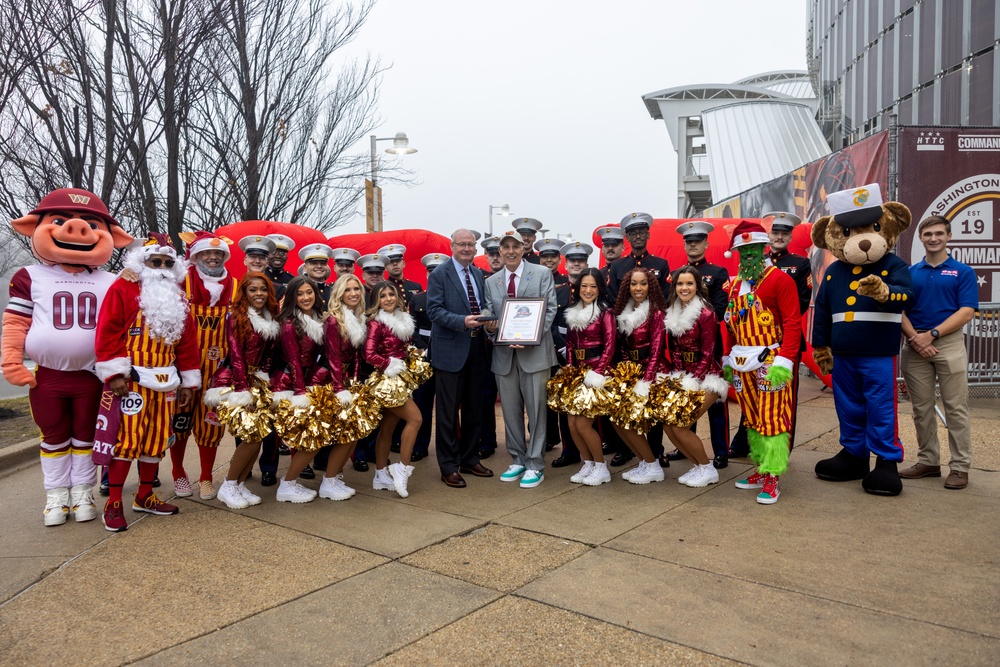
459 283
526 276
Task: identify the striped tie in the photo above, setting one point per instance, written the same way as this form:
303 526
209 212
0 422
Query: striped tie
473 304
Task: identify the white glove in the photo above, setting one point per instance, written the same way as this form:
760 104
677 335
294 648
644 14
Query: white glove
594 379
236 399
395 367
345 397
641 388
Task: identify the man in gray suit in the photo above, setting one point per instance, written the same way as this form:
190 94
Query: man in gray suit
458 355
521 371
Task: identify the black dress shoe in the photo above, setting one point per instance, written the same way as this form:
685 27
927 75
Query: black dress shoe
417 456
454 480
156 481
550 447
361 465
485 452
479 470
283 449
621 458
268 479
664 461
720 461
395 447
562 462
307 473
675 456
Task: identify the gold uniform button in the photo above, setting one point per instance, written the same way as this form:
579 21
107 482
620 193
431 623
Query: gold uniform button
853 285
851 300
885 273
856 270
849 316
828 277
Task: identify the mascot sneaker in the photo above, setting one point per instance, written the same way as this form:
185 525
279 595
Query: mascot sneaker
754 481
114 517
56 506
769 492
182 487
153 505
83 502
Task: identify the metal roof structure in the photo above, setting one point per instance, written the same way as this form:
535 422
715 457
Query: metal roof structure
746 146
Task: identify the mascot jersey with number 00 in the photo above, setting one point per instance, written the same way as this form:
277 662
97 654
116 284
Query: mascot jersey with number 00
764 325
52 316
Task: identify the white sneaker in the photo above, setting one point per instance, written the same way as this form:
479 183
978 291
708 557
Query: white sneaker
382 481
578 478
400 476
229 493
331 490
293 492
683 479
646 473
250 496
56 506
82 497
342 485
598 475
706 474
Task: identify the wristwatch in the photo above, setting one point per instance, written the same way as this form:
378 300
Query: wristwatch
935 333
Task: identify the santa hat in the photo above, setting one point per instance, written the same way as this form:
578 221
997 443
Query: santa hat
202 240
157 244
746 233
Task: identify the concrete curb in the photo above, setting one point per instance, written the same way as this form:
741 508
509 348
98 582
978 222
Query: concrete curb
16 457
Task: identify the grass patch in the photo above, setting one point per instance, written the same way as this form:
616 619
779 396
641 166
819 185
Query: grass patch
16 424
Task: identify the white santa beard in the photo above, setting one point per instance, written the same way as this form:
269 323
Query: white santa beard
163 306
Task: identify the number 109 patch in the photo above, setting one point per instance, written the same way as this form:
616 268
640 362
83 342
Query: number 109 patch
132 404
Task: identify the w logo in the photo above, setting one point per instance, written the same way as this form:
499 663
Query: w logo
740 360
79 199
208 322
860 197
162 378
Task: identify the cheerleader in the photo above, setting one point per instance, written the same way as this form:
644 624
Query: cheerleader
301 341
344 331
590 343
639 312
390 329
691 330
252 335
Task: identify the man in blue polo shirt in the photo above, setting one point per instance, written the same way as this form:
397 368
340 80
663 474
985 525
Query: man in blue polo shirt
946 296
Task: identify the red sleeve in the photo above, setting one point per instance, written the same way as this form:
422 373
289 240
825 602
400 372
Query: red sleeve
707 325
237 361
111 326
374 347
657 336
784 292
188 355
609 332
331 349
20 302
293 355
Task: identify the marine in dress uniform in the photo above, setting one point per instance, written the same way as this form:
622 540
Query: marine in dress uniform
373 272
316 263
612 246
344 261
636 227
491 247
394 265
549 257
276 263
528 229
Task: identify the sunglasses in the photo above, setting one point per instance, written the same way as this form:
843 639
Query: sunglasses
157 263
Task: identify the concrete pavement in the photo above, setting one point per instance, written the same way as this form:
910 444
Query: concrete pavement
493 574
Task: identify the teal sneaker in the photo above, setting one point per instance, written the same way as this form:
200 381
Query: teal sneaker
532 478
512 474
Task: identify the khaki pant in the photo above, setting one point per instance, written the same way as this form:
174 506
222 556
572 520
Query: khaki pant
949 369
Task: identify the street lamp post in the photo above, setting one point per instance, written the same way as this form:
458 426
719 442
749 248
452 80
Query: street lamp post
502 209
373 193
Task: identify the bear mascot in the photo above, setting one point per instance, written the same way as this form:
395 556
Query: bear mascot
857 328
52 316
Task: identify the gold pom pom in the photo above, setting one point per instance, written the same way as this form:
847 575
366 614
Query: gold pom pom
252 422
393 392
674 405
355 421
304 427
567 392
628 410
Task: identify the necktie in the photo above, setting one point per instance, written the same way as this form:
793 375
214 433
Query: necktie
511 287
473 304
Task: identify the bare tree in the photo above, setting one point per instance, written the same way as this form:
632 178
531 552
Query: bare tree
273 132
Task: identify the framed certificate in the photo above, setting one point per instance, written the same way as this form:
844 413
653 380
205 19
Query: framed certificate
521 322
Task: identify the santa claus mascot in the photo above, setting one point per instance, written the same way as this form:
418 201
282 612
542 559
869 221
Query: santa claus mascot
52 316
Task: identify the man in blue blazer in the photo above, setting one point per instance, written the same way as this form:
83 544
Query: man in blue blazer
522 371
458 354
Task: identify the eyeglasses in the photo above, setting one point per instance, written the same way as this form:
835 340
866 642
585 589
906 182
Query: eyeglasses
464 245
637 232
157 263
